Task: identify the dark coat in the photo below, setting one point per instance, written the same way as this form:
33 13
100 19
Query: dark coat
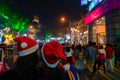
14 75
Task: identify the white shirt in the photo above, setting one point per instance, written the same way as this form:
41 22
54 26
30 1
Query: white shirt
102 51
69 54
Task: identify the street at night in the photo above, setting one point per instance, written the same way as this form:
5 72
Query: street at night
60 40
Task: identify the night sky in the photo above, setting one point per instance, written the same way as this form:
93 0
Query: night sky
48 11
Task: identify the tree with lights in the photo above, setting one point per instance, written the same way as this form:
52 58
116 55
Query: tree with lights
15 21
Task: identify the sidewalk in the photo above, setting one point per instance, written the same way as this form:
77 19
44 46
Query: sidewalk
100 75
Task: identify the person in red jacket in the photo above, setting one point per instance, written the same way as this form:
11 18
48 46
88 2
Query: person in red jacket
101 57
109 55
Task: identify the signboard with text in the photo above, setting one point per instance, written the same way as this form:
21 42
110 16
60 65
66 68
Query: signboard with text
84 2
93 4
103 9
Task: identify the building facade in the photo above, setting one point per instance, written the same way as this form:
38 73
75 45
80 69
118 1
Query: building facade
103 22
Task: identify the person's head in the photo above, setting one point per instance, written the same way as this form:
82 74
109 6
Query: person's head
52 54
67 49
27 49
94 43
89 43
53 58
101 47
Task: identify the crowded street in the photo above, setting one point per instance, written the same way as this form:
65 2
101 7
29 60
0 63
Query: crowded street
80 65
60 40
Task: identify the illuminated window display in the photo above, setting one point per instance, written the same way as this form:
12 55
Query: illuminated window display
100 30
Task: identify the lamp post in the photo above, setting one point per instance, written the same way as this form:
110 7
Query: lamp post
63 19
68 22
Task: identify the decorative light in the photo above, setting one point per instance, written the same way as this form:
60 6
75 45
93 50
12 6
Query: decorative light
63 19
31 27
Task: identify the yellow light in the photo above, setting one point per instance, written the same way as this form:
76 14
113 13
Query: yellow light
8 38
78 27
31 26
75 29
62 19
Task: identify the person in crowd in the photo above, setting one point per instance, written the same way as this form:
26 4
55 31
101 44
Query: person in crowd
91 55
73 46
95 46
117 56
63 44
84 47
25 66
77 50
81 63
53 65
96 61
2 68
109 55
1 53
69 53
101 58
3 64
79 47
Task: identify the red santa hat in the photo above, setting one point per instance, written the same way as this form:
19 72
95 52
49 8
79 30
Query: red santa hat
52 53
25 45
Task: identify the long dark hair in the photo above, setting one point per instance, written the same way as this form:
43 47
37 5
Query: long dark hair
67 49
50 73
26 66
56 74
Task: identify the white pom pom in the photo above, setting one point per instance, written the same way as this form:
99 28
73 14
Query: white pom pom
66 67
23 45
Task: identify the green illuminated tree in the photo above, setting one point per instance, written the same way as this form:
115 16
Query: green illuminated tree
15 21
48 33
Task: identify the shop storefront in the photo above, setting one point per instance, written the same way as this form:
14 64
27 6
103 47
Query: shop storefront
85 37
99 31
103 22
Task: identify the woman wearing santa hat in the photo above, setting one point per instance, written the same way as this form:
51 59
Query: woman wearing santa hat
51 62
54 67
25 68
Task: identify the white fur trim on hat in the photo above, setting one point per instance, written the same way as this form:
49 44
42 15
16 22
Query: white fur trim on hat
23 45
28 51
49 65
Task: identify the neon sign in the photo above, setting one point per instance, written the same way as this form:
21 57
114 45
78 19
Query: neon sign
93 4
102 10
84 2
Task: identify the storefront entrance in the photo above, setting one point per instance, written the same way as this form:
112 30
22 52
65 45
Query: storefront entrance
101 38
100 30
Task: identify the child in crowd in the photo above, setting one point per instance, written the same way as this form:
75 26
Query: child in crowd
81 63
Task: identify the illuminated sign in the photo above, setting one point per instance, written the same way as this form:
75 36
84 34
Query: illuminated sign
67 36
84 2
93 4
102 10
